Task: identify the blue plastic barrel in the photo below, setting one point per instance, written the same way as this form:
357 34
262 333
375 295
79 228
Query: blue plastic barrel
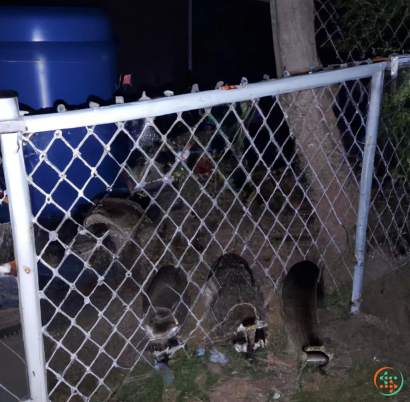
53 53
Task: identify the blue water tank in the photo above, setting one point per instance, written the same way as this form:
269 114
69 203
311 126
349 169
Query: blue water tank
53 53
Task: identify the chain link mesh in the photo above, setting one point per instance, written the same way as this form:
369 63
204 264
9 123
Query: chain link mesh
389 210
348 31
352 32
13 383
13 375
132 220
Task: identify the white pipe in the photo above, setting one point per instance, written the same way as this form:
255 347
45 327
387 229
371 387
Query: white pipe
200 100
366 187
25 253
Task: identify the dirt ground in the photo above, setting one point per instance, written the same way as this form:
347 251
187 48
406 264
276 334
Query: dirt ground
358 346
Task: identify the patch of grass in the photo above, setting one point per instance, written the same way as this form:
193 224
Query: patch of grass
144 384
193 379
251 366
211 380
357 387
340 300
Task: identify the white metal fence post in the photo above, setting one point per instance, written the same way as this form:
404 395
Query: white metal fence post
24 248
366 186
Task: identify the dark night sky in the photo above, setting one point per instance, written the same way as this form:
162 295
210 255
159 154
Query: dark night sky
231 39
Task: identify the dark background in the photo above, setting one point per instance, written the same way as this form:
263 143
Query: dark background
230 39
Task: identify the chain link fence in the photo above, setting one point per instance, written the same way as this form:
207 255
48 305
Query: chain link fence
391 191
156 233
13 386
353 32
13 377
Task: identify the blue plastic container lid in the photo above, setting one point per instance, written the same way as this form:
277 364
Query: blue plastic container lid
53 24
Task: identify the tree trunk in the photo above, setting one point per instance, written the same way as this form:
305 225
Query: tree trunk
332 189
294 35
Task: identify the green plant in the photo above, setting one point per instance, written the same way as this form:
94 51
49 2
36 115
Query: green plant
144 384
339 300
357 386
395 127
374 25
193 380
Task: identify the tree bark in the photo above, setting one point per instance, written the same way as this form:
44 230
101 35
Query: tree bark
294 35
332 189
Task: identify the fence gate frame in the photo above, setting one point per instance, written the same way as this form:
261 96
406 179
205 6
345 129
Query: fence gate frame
13 126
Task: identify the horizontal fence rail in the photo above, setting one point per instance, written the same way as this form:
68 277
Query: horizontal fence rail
180 103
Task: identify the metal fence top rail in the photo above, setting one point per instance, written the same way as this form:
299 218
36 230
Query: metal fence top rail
200 100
